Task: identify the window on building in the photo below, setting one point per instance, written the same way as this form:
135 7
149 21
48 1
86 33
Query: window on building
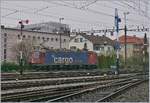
96 48
56 39
73 48
38 37
102 48
5 40
108 48
5 34
76 40
64 40
81 39
33 37
43 38
52 39
29 36
85 46
24 36
4 51
18 36
5 45
47 39
5 56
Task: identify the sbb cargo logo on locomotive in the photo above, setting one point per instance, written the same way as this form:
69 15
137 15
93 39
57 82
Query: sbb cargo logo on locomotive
62 60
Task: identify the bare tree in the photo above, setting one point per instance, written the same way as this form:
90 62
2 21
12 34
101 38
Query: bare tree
26 46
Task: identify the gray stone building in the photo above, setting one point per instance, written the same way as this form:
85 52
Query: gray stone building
11 37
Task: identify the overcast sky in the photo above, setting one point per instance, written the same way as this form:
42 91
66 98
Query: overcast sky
78 14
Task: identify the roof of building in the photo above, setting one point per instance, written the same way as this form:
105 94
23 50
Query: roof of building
131 40
51 27
16 29
96 39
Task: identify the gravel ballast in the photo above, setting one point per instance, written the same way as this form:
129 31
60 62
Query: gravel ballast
139 93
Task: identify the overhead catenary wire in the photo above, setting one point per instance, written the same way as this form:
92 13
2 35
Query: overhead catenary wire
134 8
74 20
10 13
90 10
113 7
139 21
145 4
54 16
126 6
94 11
41 9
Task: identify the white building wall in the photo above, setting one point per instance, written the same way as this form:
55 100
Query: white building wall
80 45
107 50
90 46
129 50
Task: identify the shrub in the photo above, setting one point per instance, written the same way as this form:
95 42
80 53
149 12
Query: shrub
9 67
106 61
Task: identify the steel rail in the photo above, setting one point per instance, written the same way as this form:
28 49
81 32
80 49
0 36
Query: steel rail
118 91
53 81
127 81
28 94
45 91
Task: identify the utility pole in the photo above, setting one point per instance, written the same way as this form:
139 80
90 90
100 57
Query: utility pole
21 38
60 19
117 20
145 54
125 31
21 53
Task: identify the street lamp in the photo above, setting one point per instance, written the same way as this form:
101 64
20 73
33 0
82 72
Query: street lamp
125 31
21 52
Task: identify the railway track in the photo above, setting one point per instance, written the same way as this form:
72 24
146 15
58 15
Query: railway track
120 90
44 93
52 74
105 92
56 81
56 74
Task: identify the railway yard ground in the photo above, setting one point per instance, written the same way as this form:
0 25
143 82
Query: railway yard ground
75 86
139 93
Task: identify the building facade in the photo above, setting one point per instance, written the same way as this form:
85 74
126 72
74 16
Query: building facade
11 37
98 44
134 45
